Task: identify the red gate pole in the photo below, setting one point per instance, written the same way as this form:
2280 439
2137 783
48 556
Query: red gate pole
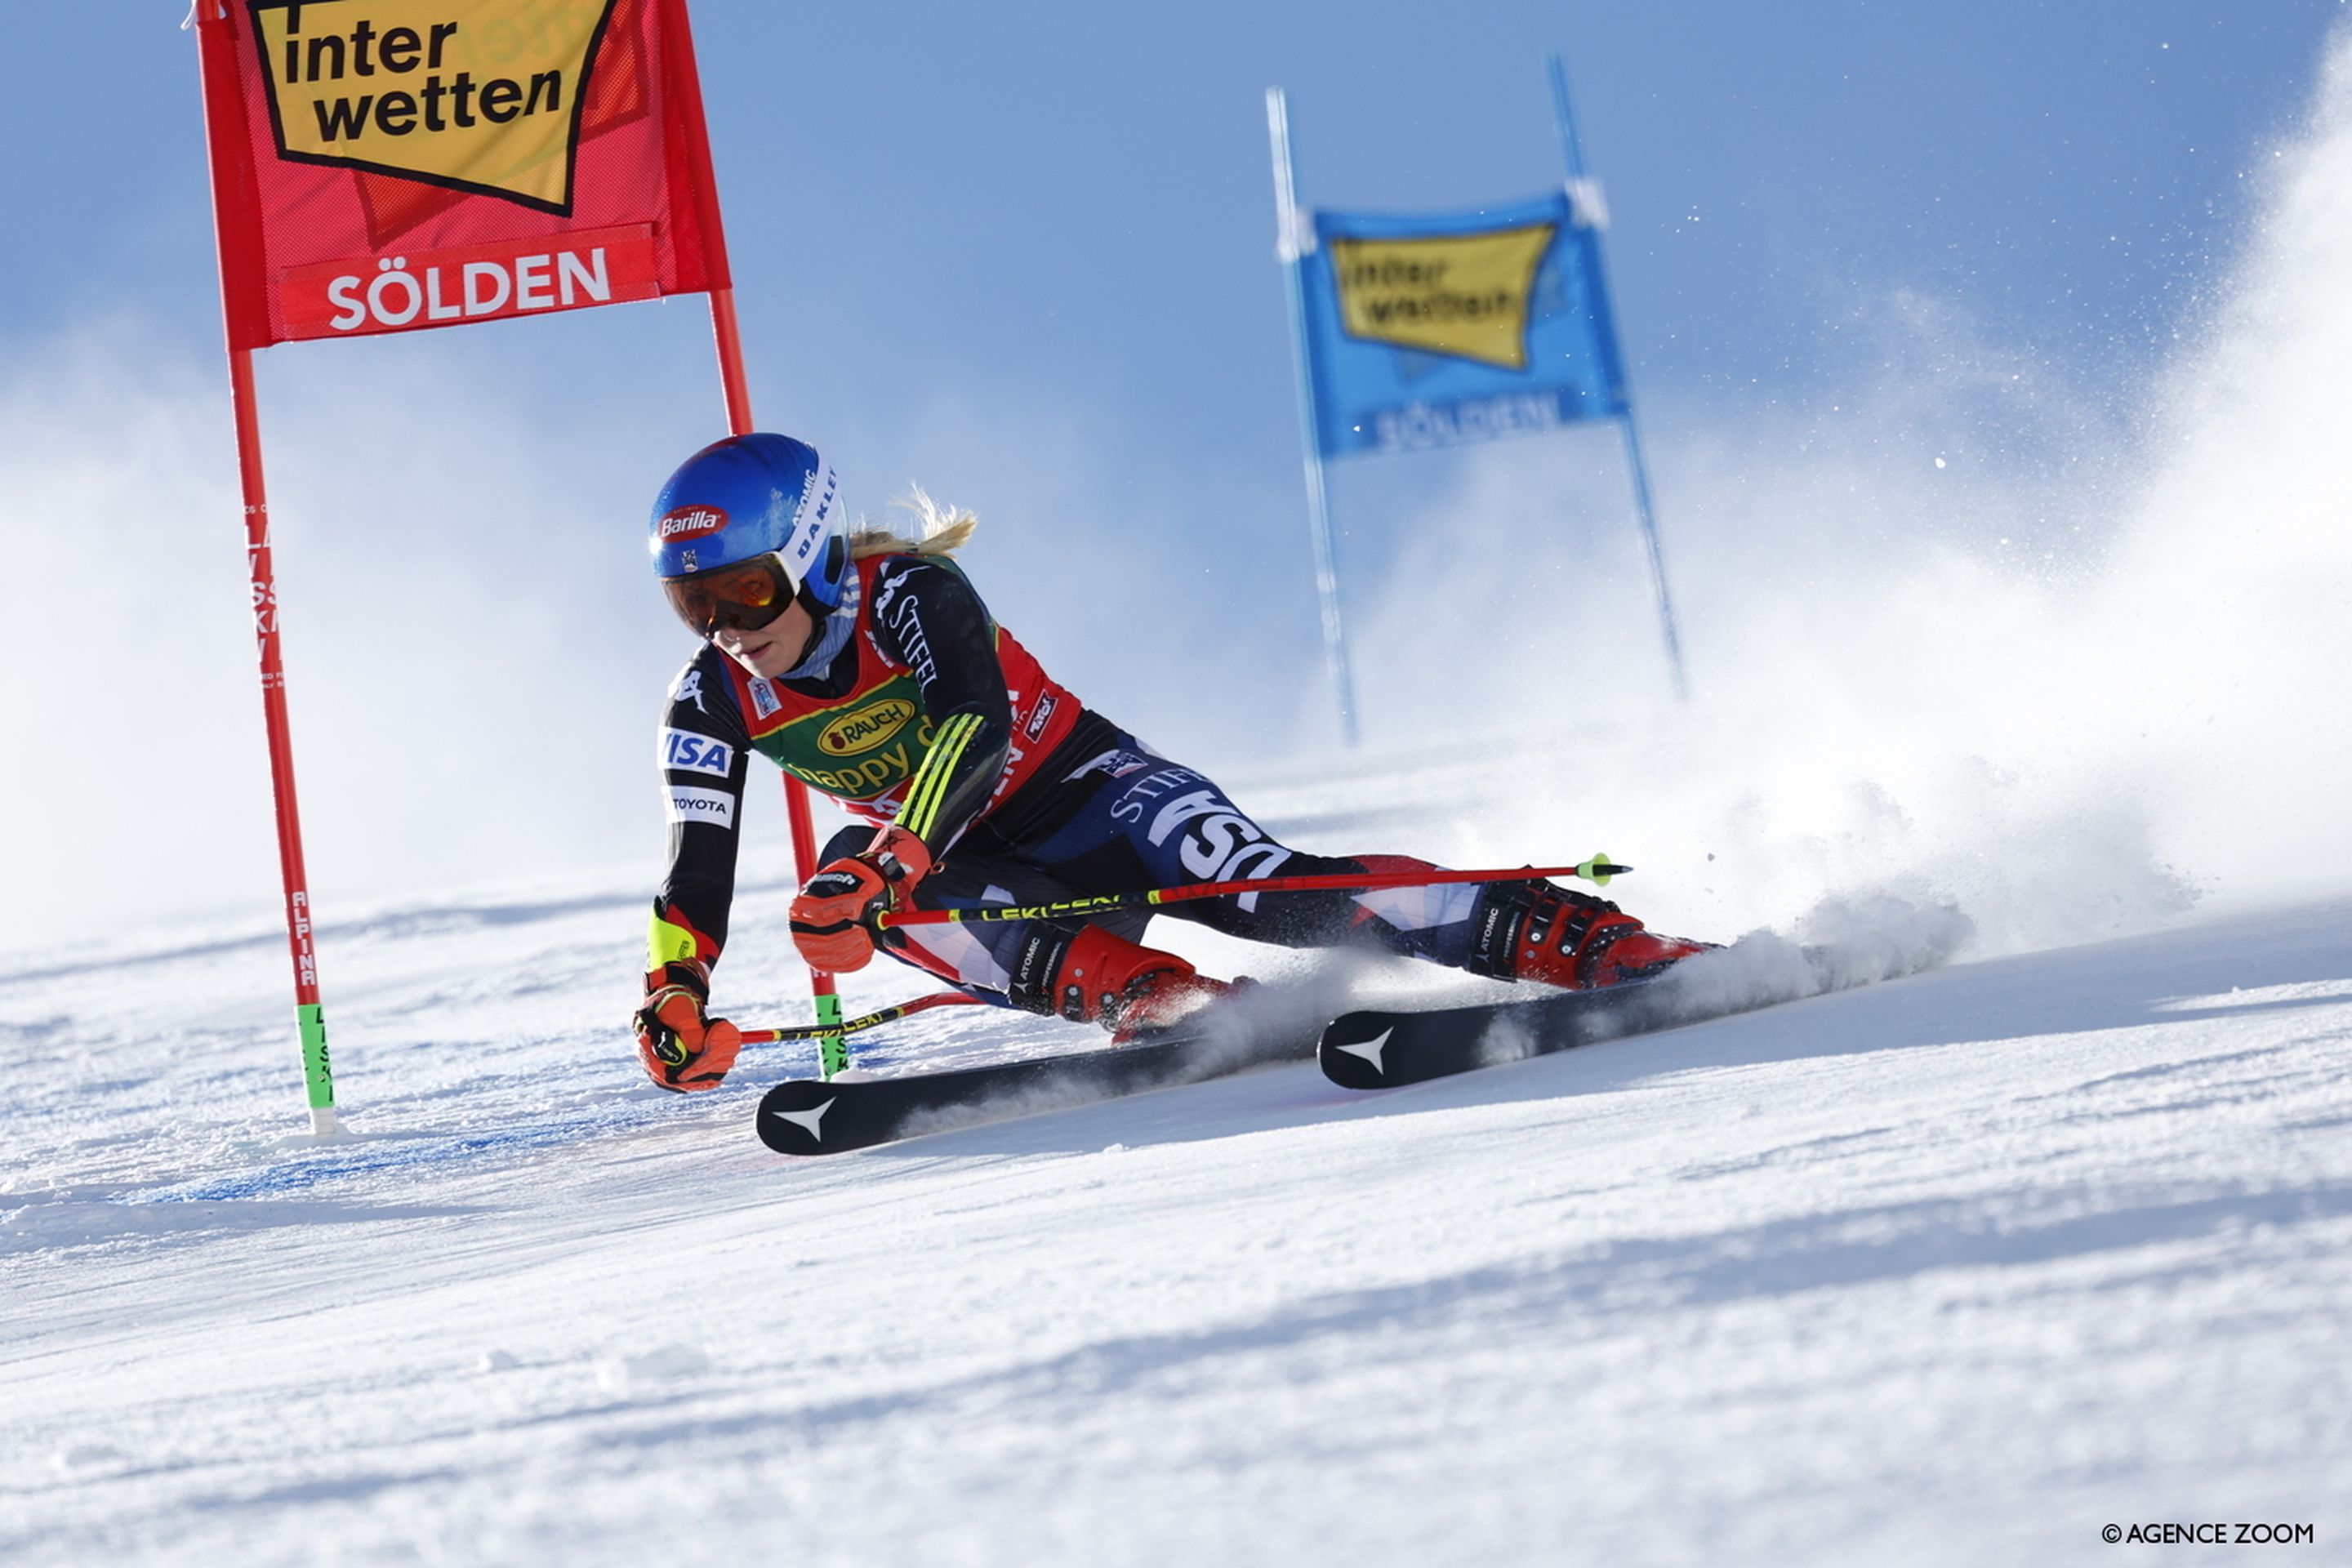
832 1050
233 217
311 1022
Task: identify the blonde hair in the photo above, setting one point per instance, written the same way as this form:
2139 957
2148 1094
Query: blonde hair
938 529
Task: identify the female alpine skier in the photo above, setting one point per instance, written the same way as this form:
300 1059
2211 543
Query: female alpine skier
866 665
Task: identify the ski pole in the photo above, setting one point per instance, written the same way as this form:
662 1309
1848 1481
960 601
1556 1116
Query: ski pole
886 1016
1596 871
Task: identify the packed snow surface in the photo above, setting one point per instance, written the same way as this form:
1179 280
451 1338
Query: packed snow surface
1959 1268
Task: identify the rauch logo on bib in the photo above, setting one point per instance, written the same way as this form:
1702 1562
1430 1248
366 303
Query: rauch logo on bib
867 728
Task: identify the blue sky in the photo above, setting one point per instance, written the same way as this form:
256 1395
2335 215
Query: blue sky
1065 209
1076 196
1025 254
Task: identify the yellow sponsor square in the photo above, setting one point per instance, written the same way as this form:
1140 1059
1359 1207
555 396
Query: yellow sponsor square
1466 295
479 95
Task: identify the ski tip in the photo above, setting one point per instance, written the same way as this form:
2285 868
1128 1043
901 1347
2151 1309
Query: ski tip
792 1117
1353 1050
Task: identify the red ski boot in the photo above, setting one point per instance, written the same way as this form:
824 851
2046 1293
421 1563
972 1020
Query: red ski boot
1533 930
1127 988
1165 997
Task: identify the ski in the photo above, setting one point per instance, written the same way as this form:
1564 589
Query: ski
810 1116
1391 1049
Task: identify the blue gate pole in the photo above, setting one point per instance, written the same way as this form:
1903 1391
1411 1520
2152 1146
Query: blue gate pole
1291 246
1583 200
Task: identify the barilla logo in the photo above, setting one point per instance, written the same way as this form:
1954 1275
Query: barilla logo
690 522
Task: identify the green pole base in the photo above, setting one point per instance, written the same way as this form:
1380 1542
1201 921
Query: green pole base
832 1050
317 1071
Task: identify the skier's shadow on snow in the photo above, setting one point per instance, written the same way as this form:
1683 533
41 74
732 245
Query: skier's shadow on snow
2171 977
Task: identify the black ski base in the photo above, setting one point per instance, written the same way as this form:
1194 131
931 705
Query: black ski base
806 1116
1389 1050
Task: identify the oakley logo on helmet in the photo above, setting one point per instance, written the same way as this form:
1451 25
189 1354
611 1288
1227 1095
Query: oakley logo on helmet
689 522
809 527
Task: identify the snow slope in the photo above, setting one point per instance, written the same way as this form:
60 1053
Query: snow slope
1957 1268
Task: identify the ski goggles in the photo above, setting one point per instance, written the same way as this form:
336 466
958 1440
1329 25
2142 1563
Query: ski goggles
744 597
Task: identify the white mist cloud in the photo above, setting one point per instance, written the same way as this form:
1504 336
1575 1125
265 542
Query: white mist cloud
125 641
447 669
1954 631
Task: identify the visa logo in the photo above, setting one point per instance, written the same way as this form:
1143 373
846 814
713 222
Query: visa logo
683 751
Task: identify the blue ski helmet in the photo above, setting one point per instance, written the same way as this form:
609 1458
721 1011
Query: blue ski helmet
749 496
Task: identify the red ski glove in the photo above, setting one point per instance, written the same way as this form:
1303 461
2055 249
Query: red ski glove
829 917
681 1049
